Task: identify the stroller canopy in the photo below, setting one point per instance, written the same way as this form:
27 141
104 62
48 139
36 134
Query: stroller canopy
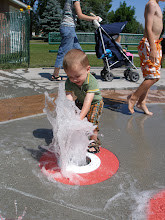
114 28
111 29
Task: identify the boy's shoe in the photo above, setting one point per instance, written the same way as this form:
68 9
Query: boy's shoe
94 147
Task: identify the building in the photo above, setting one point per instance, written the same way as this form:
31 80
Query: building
15 30
11 5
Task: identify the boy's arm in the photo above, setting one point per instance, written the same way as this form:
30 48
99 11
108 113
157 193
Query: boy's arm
83 16
86 105
69 96
149 19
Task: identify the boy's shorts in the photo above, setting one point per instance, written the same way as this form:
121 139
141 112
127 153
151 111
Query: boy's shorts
94 113
150 70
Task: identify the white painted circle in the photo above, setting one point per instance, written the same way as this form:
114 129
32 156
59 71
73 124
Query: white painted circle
93 165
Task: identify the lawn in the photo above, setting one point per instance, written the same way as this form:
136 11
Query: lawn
40 56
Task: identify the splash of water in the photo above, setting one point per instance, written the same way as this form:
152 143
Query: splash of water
16 212
70 134
130 202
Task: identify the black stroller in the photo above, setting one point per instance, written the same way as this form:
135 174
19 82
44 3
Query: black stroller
112 54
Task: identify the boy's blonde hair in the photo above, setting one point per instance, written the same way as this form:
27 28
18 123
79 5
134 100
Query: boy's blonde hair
75 57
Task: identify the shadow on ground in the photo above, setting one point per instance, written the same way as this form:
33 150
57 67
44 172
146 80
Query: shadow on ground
46 75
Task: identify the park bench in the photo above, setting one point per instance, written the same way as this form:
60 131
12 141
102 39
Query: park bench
127 40
54 38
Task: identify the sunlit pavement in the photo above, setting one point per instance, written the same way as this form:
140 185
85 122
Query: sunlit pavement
137 140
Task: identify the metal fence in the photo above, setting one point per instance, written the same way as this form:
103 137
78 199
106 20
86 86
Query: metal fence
14 37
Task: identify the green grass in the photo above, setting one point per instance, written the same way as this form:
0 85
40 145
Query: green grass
40 56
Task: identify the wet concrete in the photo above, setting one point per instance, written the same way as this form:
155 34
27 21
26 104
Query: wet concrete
137 140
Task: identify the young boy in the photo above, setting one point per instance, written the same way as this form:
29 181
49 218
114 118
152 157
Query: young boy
150 54
84 86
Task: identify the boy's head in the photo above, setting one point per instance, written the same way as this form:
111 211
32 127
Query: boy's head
76 66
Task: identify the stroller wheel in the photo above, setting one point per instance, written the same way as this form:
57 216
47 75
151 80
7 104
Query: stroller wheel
108 76
102 73
134 76
126 73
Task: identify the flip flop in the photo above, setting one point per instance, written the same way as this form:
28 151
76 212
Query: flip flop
56 78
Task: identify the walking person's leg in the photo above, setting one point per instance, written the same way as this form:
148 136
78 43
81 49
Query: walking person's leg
151 73
67 42
140 96
76 44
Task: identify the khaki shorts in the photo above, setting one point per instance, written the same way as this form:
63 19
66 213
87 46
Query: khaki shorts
150 70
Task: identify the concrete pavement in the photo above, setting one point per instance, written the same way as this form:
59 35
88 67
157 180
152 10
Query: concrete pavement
22 90
137 140
25 82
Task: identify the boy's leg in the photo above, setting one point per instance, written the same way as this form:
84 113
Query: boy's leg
95 135
94 116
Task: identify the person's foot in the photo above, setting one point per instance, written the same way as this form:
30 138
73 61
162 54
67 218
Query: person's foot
94 147
143 107
131 103
56 78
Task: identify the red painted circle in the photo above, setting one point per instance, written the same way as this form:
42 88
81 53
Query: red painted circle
108 167
157 207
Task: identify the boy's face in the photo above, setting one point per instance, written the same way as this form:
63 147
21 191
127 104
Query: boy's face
78 74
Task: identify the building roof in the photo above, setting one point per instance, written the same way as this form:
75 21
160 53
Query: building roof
21 4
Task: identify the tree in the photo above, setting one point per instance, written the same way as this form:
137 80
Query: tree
29 2
85 26
51 17
41 5
100 8
62 2
32 14
97 3
124 13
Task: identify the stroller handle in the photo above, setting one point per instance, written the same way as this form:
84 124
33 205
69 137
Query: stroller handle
95 22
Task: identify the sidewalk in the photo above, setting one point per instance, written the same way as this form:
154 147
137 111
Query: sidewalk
22 90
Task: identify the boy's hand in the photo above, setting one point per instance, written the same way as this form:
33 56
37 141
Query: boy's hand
69 96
